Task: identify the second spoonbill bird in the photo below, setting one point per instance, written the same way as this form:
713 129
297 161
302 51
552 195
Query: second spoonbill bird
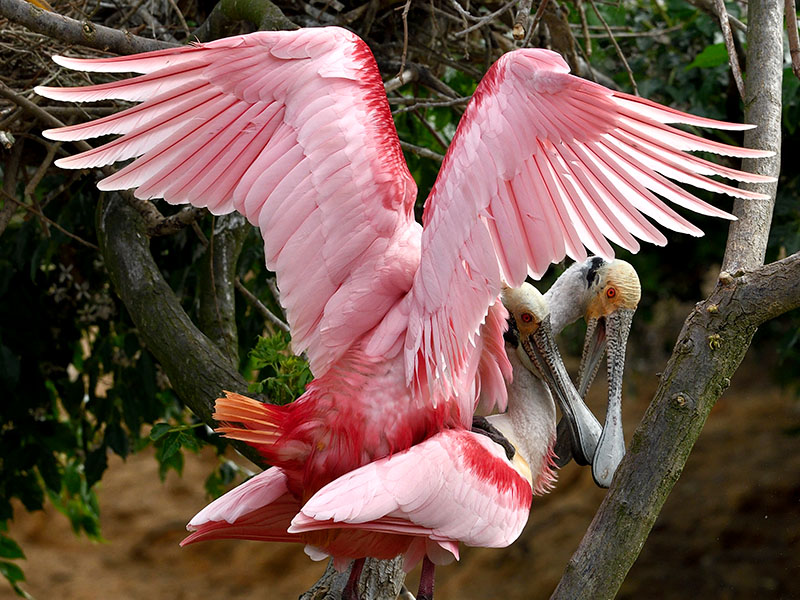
400 321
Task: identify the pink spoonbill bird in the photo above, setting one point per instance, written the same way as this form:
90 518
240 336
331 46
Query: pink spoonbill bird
400 321
455 486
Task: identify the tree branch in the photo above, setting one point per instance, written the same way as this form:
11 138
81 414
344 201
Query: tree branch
197 369
261 13
380 580
747 237
71 31
710 348
217 274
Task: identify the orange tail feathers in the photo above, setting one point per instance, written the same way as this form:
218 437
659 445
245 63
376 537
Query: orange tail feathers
248 420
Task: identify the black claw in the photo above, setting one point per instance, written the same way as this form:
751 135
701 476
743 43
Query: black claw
481 425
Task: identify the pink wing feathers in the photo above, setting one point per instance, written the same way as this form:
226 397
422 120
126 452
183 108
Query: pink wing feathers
261 508
454 486
542 164
292 129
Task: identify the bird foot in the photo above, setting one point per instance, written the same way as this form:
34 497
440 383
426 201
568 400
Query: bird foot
481 425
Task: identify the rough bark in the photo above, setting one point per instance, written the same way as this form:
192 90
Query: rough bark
217 292
197 369
380 580
747 239
72 31
261 13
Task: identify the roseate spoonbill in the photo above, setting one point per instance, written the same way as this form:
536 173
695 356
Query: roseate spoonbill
455 486
400 322
606 293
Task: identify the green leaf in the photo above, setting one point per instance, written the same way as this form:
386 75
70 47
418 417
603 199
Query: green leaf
170 445
159 430
711 56
11 572
9 548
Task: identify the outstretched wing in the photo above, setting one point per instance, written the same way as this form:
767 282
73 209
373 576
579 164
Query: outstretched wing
454 486
293 130
542 164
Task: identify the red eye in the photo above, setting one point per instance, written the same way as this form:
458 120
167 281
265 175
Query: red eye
611 292
526 317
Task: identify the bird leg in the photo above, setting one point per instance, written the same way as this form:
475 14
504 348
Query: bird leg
425 591
481 425
350 591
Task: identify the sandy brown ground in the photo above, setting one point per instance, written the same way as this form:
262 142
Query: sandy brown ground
730 529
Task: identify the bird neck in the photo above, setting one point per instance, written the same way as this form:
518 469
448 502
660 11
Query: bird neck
568 298
529 423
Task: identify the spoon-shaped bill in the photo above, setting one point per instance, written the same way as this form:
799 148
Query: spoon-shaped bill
611 446
584 429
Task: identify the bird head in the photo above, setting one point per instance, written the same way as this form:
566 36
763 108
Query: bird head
613 293
531 337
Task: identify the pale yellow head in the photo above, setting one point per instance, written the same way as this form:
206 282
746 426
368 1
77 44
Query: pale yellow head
616 286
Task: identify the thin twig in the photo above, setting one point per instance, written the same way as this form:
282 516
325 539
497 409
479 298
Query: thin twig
48 220
178 12
169 225
465 14
535 23
259 306
616 46
485 20
733 58
405 37
442 142
273 287
794 39
432 104
587 40
399 80
420 151
42 169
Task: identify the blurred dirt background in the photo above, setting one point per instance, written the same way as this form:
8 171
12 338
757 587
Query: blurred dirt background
730 530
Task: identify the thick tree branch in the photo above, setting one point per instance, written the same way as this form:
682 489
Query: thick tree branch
71 31
747 237
380 580
261 13
197 369
710 348
217 275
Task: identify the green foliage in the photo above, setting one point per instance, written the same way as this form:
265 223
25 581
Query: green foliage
713 55
283 376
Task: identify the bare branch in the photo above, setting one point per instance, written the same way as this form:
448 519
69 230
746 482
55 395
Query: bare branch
71 31
268 315
747 237
522 19
616 47
486 20
45 219
733 57
794 39
432 104
420 151
197 369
